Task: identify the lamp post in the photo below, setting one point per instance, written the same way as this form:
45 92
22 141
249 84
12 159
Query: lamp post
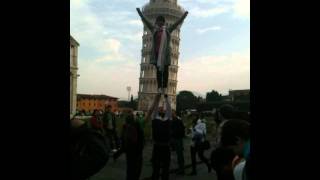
129 90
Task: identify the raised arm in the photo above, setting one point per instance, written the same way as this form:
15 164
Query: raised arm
153 109
177 23
168 114
145 20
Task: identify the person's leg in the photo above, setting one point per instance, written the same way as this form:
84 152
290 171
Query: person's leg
179 151
165 76
193 159
155 163
138 165
110 137
116 139
165 163
202 158
130 166
159 78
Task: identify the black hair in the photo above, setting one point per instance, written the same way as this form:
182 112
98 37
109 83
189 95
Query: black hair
234 129
160 18
130 118
94 111
227 111
220 158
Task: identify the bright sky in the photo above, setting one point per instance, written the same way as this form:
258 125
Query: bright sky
214 45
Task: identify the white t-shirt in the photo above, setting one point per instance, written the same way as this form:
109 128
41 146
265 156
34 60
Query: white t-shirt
201 127
238 170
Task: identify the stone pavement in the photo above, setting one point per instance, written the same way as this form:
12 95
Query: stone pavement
117 170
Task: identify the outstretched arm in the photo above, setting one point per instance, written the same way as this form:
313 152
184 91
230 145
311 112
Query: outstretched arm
145 20
168 114
152 110
177 23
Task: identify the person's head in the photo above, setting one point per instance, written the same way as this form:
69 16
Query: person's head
161 112
130 117
108 108
221 161
160 21
194 122
95 112
235 134
226 111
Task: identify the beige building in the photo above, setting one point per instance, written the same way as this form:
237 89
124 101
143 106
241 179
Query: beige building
73 74
148 81
235 95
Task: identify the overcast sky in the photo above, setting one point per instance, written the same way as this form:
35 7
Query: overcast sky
214 46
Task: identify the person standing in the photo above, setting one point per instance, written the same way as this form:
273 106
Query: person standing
198 136
109 124
161 120
96 122
132 144
177 136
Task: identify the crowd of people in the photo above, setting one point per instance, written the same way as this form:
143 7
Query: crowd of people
97 140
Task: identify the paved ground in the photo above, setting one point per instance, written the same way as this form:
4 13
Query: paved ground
117 170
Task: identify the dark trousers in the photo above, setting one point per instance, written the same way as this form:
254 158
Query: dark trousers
194 150
113 138
134 165
160 162
162 79
178 148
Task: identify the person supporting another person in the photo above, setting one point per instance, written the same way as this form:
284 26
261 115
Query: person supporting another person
161 136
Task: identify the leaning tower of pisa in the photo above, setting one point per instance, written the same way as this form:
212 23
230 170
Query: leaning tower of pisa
148 81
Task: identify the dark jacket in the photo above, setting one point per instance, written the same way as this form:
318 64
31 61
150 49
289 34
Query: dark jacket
161 131
177 129
132 137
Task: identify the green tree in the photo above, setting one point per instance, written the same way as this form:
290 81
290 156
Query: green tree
186 100
213 96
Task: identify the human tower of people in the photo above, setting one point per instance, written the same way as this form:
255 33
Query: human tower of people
92 145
